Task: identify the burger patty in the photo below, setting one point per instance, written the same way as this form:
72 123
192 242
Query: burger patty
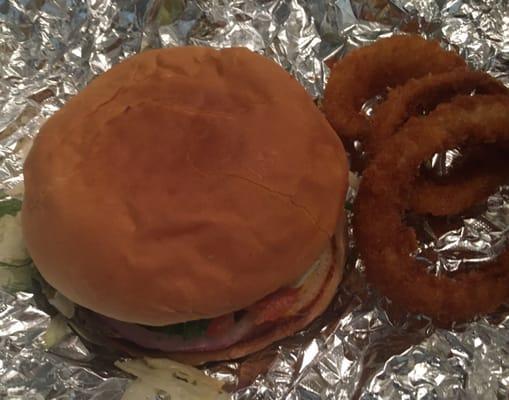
227 330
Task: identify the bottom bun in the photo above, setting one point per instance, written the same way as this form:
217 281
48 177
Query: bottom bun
284 328
281 329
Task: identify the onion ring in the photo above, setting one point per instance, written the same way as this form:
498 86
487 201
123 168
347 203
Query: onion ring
424 94
368 71
453 196
417 95
386 244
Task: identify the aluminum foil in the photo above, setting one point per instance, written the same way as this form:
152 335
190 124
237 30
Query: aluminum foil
50 49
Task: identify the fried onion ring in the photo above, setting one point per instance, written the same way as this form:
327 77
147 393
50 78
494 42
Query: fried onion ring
369 71
424 94
455 195
386 244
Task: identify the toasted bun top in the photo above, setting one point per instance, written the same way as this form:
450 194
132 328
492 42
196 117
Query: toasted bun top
183 183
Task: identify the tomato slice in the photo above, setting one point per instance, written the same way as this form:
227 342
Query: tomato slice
271 308
274 306
220 325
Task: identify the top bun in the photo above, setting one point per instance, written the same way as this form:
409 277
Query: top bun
182 184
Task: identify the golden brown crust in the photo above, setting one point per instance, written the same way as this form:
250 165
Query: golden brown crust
471 185
369 71
460 192
424 94
184 183
387 245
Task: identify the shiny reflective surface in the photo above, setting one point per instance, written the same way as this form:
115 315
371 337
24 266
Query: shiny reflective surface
362 348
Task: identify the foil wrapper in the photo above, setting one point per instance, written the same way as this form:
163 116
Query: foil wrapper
50 49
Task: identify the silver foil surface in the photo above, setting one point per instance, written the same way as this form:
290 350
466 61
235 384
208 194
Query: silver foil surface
50 49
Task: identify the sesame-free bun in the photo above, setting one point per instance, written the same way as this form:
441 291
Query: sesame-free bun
280 329
182 184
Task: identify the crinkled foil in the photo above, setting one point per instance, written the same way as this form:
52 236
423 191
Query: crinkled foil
49 49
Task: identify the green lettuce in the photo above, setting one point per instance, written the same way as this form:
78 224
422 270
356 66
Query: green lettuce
187 330
10 206
16 278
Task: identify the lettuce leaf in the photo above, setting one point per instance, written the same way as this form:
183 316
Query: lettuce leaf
10 206
16 269
187 330
16 278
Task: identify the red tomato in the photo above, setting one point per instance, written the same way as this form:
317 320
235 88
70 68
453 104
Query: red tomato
220 325
275 305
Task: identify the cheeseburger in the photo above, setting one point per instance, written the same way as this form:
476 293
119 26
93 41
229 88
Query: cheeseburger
187 202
